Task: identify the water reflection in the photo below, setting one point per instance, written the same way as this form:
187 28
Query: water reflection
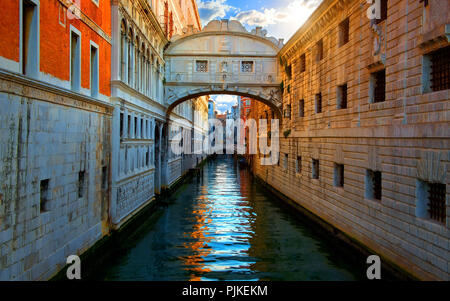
222 227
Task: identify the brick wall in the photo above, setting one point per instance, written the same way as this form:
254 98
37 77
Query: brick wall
406 137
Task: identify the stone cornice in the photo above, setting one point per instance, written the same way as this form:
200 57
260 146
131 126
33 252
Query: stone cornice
121 85
43 90
185 38
326 12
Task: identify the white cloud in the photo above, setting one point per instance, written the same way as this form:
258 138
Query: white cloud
261 18
281 22
210 10
226 99
224 102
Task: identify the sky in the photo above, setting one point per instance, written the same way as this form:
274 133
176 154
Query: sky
281 19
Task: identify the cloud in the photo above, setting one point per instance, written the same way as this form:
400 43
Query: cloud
226 99
261 18
279 21
210 10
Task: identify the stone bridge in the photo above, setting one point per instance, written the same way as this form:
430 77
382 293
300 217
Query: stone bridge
223 58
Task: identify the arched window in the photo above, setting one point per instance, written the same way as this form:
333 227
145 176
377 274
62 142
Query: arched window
123 47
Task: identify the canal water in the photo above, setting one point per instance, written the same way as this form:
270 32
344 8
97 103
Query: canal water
221 225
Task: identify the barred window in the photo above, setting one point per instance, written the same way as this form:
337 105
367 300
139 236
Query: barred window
344 32
342 97
301 108
201 66
318 99
440 69
247 66
436 202
298 165
373 184
338 175
303 63
378 82
319 54
315 169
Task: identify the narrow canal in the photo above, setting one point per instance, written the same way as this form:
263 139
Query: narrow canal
222 226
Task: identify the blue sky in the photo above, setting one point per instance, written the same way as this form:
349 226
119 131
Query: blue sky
281 19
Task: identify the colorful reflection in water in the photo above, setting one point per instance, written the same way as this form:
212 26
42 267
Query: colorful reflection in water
221 226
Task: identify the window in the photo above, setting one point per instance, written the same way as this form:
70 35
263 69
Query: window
303 63
378 86
285 162
298 165
121 124
338 175
201 66
315 169
104 177
431 199
373 184
81 181
289 74
383 12
318 99
301 108
75 61
344 32
319 49
142 128
440 69
29 39
287 112
45 195
135 126
342 97
247 66
129 125
94 71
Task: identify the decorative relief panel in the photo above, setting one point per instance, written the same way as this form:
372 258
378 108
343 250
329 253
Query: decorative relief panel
133 194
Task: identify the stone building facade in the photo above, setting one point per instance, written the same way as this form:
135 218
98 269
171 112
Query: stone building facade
365 130
142 125
55 124
83 123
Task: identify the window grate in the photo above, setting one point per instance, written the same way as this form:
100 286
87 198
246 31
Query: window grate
436 204
339 175
201 66
380 86
301 108
319 103
342 97
247 66
440 69
315 169
377 185
303 63
344 32
319 56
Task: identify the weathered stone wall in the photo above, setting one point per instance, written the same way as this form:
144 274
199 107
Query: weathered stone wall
406 137
49 134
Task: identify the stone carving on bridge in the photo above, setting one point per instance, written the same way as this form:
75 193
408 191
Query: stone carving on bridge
226 48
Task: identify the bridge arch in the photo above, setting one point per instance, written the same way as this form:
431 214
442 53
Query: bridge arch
223 58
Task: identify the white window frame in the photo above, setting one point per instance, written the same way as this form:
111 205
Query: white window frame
77 88
94 93
36 48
